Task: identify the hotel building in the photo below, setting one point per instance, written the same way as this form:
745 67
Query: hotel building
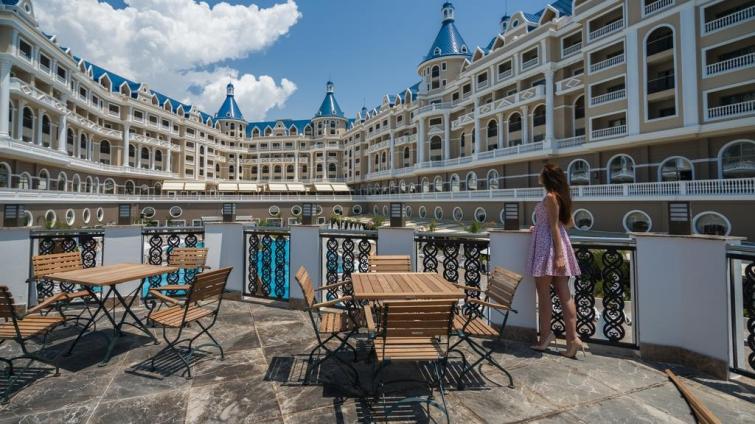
641 102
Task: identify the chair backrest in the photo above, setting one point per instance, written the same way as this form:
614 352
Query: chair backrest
188 257
6 304
43 265
209 285
302 277
502 286
418 318
390 263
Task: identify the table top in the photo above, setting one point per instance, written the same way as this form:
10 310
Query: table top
403 285
109 275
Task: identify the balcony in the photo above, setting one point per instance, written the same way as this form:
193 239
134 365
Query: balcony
606 30
435 107
571 50
505 75
570 84
529 64
742 15
663 83
565 143
656 6
609 132
379 146
608 97
607 63
741 62
732 110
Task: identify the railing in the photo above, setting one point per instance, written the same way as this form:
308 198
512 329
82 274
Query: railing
460 258
739 62
434 129
266 263
609 132
571 50
608 97
505 74
607 29
656 6
604 293
731 110
660 45
345 252
569 83
571 142
660 84
731 19
742 295
483 85
530 63
435 106
159 242
607 63
378 146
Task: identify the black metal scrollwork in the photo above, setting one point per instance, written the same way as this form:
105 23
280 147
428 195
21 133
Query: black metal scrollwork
266 268
331 266
252 258
584 293
430 256
451 260
365 250
280 266
86 243
614 283
558 326
748 293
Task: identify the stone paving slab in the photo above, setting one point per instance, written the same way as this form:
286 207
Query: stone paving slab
261 380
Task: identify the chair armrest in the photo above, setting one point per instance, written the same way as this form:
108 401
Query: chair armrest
167 299
330 286
172 287
477 289
47 303
205 267
331 302
369 319
489 305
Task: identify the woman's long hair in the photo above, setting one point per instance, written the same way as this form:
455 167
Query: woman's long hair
555 181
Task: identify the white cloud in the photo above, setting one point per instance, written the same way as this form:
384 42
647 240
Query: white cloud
176 44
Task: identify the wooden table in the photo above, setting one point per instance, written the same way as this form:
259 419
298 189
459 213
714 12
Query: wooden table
379 286
109 276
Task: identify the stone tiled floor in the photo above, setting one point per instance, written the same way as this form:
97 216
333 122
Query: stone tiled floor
261 381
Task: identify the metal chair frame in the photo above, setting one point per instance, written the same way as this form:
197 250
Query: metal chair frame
188 259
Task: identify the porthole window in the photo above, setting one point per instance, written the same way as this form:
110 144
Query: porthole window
295 210
51 218
583 219
457 214
385 210
637 221
408 211
438 213
711 223
356 209
422 212
70 217
100 214
274 210
28 219
338 210
480 215
149 212
318 210
175 211
86 215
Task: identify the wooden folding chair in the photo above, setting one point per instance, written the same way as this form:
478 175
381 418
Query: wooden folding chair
192 261
330 320
202 301
22 330
51 299
474 322
390 263
413 331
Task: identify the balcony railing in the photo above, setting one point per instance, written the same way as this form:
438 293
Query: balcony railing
607 63
656 6
732 110
731 19
505 74
660 45
571 50
158 244
660 84
571 83
345 252
739 62
482 85
609 132
530 64
435 106
608 97
607 29
571 142
742 301
266 263
458 258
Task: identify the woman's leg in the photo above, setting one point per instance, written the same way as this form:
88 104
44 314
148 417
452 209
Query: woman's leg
544 305
568 306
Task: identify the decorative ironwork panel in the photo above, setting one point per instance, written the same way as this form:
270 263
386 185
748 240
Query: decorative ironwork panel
584 292
450 260
252 279
160 242
281 276
345 254
266 269
615 284
558 326
430 256
267 263
748 294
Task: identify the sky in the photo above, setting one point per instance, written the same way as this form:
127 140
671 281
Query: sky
278 53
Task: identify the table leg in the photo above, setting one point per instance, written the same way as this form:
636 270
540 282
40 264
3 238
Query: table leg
127 311
100 307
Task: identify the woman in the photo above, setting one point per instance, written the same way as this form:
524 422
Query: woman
551 265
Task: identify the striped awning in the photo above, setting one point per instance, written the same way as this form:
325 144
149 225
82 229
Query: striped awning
340 187
323 187
228 187
298 187
277 187
247 187
172 186
195 186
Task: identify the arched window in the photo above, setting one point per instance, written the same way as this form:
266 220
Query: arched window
438 183
24 181
493 179
28 123
737 160
711 223
676 169
104 151
425 185
277 169
407 153
660 73
158 156
471 181
538 116
579 172
83 146
45 131
515 122
435 148
109 186
621 169
43 180
659 40
492 128
579 108
455 182
89 185
5 175
130 187
435 72
332 167
70 142
62 181
76 182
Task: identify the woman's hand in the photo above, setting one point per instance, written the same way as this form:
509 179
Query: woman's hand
560 263
532 228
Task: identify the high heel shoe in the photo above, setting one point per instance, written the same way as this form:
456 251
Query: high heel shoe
544 343
573 347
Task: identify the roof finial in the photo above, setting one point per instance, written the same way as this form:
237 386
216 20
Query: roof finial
330 87
229 89
448 11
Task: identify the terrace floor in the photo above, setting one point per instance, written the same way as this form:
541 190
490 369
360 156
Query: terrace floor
261 379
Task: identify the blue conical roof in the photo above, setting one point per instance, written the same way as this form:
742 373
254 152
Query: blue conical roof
229 109
329 106
448 42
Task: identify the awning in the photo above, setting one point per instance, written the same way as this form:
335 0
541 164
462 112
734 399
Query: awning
172 186
248 187
323 187
340 187
275 187
195 186
297 187
228 187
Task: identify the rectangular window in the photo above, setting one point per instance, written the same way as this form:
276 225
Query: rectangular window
114 109
45 62
24 48
504 67
190 131
153 119
96 101
166 123
138 115
82 93
62 73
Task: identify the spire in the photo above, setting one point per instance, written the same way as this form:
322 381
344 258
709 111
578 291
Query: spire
329 106
229 109
229 89
448 42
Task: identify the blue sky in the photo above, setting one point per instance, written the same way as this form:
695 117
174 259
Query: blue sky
368 48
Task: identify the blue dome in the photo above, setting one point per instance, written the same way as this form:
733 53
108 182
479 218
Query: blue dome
448 42
229 109
329 106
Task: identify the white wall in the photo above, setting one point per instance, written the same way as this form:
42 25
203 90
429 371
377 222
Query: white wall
509 249
225 247
397 241
15 246
123 244
305 251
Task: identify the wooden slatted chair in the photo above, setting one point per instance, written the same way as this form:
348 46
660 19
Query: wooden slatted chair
475 322
21 330
202 302
192 260
50 299
332 319
414 331
390 263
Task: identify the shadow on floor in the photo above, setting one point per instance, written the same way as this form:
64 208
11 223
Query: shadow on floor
21 378
167 363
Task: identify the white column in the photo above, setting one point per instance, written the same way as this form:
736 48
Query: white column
500 130
525 125
38 128
689 64
634 87
152 158
397 241
20 120
238 167
477 136
168 154
306 238
421 141
549 99
5 67
446 136
296 165
124 153
391 153
224 244
63 132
